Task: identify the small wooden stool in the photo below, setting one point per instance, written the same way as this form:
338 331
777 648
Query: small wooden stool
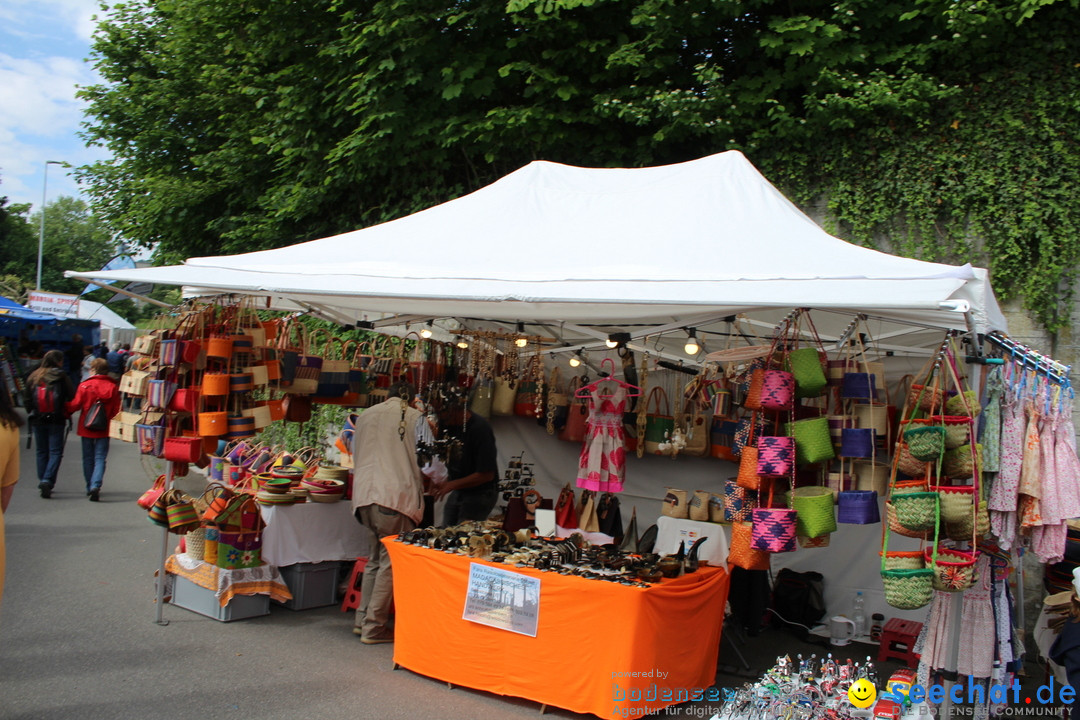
352 591
898 641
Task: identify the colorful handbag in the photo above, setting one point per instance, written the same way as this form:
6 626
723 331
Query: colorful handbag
777 390
775 456
738 501
334 372
148 498
808 371
659 424
857 507
150 436
239 549
742 552
722 439
815 511
182 449
857 443
185 400
169 352
159 393
773 529
813 442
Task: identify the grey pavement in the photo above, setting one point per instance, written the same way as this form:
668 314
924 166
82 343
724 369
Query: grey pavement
78 637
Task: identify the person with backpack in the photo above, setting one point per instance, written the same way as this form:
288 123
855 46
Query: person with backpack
97 400
48 390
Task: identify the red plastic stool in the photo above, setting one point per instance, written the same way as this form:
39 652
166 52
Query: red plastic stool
352 591
898 641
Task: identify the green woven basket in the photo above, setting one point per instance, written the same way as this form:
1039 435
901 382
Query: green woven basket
815 511
805 364
813 442
926 442
959 463
966 403
904 560
917 512
908 589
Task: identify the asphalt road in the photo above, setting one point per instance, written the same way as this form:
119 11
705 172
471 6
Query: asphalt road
78 637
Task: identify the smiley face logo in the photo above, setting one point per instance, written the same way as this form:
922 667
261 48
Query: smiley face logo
862 693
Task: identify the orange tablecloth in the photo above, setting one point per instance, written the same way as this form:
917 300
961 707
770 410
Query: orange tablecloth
600 648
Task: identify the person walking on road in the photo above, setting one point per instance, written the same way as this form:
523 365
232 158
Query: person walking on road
48 390
95 441
387 499
10 422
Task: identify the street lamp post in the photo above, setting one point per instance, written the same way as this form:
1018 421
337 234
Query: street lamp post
41 234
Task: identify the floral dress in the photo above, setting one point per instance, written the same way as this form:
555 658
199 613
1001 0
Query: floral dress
602 464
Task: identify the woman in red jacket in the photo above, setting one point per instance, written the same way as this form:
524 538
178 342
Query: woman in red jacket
95 443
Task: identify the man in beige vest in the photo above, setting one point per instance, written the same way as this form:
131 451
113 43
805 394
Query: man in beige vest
387 498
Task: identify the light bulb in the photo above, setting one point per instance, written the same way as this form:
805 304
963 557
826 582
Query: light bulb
521 342
425 333
612 344
691 347
462 343
574 362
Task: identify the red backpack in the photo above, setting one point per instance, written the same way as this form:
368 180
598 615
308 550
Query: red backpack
48 399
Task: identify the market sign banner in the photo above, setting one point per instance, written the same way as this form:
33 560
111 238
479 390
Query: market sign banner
502 599
54 303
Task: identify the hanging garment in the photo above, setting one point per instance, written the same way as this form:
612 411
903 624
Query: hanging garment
1003 494
977 630
991 422
602 464
1031 471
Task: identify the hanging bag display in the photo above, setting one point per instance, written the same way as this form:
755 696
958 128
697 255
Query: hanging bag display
775 456
659 424
748 459
857 507
742 552
737 502
334 370
483 393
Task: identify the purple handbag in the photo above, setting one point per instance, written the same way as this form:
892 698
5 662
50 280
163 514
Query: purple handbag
776 456
857 507
777 390
857 443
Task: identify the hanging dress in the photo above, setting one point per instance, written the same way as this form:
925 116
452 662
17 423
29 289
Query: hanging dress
602 464
1002 500
978 631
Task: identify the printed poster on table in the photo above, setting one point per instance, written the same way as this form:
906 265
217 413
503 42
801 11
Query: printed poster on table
502 599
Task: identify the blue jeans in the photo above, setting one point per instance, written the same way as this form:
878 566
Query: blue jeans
49 440
94 452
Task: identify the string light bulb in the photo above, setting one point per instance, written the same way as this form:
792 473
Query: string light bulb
521 341
691 347
425 332
462 342
575 360
611 342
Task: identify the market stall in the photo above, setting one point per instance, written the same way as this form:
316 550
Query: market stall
666 271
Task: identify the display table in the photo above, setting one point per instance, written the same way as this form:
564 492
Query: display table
670 531
599 646
262 580
311 533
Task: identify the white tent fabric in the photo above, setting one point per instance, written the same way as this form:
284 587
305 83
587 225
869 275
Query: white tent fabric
585 245
115 329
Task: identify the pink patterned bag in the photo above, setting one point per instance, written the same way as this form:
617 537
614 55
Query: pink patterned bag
774 530
777 390
776 456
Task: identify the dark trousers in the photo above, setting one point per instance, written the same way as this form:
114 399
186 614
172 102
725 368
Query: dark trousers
50 451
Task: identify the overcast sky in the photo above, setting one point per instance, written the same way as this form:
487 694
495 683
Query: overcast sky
44 45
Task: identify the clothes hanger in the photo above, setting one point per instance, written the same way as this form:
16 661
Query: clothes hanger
586 390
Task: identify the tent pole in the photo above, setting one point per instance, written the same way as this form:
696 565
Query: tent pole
164 554
130 294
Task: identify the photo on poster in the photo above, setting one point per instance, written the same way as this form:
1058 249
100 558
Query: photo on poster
502 599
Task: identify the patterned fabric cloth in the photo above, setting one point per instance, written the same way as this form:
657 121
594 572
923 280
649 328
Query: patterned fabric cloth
602 464
991 422
261 580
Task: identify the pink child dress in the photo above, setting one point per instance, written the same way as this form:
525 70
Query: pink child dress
602 465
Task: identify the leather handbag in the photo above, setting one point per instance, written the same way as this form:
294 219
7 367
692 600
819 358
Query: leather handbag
297 408
588 520
565 510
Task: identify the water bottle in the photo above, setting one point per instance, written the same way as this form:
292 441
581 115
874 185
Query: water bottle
858 615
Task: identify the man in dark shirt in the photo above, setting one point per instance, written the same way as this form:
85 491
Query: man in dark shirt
472 490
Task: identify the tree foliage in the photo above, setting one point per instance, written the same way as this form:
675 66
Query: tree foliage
941 130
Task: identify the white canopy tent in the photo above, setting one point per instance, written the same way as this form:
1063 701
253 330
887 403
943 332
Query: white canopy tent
649 249
114 329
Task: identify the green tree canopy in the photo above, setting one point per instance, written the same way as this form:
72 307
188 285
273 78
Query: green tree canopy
940 130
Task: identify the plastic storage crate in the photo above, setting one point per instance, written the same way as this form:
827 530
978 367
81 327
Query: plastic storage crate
190 596
312 585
